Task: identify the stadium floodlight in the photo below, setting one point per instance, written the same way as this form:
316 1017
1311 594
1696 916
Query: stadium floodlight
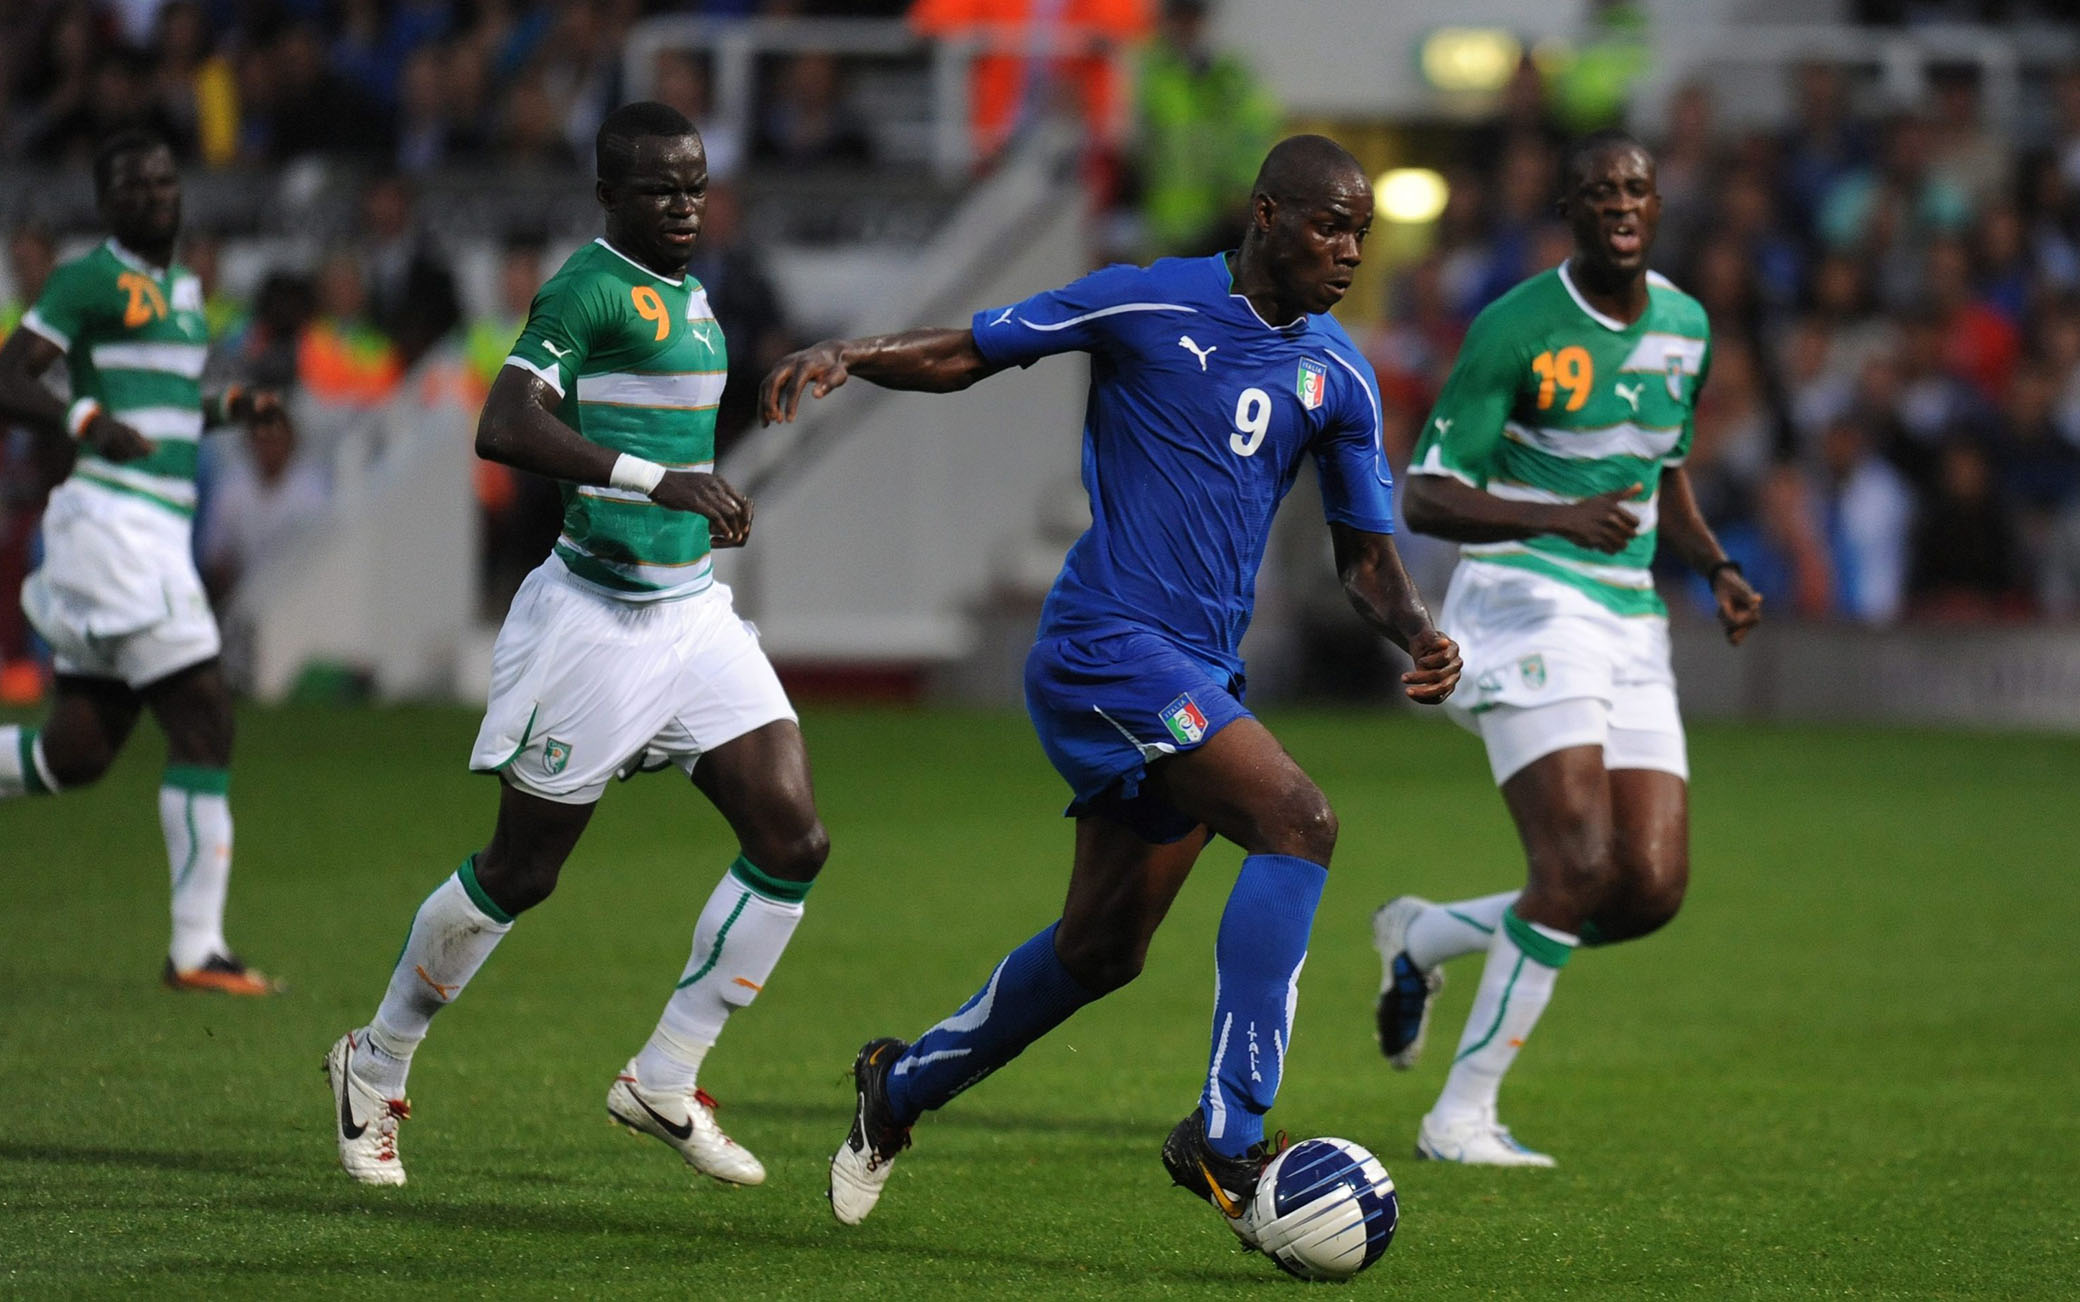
1478 59
1410 195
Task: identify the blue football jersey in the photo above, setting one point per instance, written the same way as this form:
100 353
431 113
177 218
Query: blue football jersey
1199 414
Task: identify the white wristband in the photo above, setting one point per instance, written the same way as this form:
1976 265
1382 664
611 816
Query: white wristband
78 414
635 474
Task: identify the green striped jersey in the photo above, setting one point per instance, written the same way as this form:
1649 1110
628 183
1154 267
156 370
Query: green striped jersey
638 361
135 340
1552 401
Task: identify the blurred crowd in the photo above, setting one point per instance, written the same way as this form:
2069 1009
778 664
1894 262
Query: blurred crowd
1891 428
410 85
1892 423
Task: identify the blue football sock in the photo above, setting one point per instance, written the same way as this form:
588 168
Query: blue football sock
1028 995
1257 958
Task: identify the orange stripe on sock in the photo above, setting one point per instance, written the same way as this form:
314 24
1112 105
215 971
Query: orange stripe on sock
753 986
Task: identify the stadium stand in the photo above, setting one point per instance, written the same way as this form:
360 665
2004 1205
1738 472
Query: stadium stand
1883 220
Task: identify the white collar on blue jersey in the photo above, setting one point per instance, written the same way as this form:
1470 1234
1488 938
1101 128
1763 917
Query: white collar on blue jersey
1294 326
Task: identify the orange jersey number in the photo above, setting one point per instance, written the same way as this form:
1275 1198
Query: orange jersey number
146 302
651 308
1571 369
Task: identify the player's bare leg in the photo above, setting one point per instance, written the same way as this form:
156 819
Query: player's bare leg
1561 804
1244 786
451 936
1649 852
529 845
90 720
193 708
1120 889
760 783
1650 824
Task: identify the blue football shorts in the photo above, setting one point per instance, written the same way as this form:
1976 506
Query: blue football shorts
1108 705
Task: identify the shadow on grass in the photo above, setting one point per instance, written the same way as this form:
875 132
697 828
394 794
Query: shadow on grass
667 1238
1109 1129
286 1195
141 1159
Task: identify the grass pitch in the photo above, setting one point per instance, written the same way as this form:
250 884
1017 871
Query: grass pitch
1848 1068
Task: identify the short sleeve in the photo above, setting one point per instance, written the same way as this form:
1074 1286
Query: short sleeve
561 325
1681 452
62 310
1465 427
1082 316
1350 455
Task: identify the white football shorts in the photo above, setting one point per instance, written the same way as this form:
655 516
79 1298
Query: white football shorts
585 687
117 595
1548 668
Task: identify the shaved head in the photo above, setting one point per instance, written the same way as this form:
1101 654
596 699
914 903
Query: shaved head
1582 156
1303 169
614 147
1310 210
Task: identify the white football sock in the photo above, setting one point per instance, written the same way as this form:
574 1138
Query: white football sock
736 944
23 770
453 933
1524 959
195 818
1445 931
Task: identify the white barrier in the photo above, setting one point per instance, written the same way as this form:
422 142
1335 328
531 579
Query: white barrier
1996 677
385 584
881 514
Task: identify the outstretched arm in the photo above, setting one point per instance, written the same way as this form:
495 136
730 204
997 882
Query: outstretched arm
928 360
519 428
1684 529
23 398
1446 508
1380 590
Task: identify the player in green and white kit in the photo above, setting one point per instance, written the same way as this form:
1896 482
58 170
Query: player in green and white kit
1555 455
620 653
117 596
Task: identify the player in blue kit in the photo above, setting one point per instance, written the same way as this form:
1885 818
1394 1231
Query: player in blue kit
1211 379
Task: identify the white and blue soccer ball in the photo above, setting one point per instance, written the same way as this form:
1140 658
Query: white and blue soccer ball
1324 1209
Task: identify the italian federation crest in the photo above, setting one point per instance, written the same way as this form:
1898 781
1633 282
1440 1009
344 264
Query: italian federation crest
1185 720
1313 384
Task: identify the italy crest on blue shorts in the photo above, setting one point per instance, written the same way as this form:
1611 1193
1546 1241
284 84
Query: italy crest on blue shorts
1185 720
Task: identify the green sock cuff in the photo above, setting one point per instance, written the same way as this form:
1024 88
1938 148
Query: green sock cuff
1537 946
773 888
201 779
467 875
1592 936
32 777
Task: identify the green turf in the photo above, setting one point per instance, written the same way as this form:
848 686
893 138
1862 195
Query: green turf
1849 1068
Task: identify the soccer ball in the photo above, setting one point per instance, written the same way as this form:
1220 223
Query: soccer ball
1324 1209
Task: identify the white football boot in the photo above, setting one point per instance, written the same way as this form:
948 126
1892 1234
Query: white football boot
862 1163
1406 992
1475 1141
686 1122
364 1121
